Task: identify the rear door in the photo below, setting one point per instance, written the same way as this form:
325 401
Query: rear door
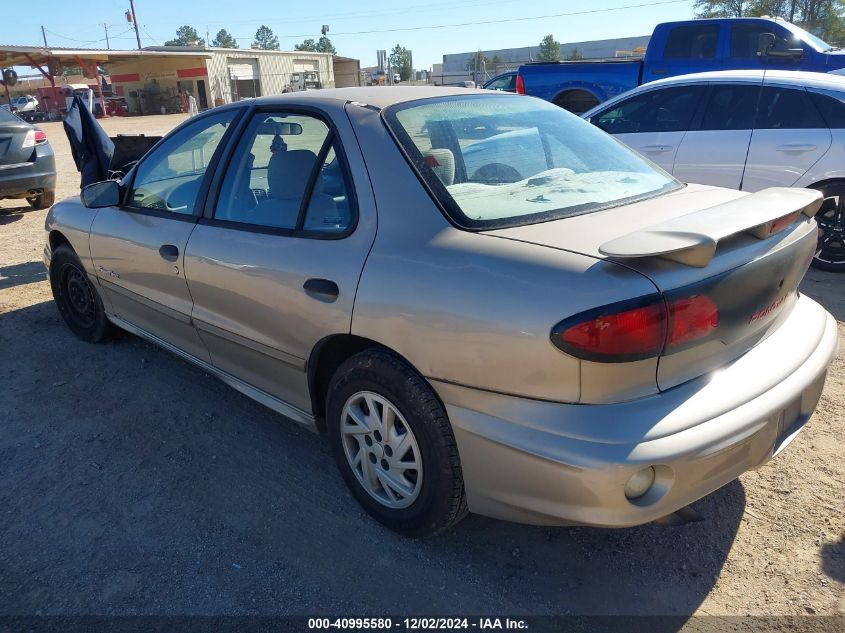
15 148
714 150
138 249
274 265
654 122
789 137
688 48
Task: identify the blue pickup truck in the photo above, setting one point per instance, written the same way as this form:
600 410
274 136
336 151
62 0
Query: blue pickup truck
678 48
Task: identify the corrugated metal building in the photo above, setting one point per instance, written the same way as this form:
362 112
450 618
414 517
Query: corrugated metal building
222 75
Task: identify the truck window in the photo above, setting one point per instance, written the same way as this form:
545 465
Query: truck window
731 107
745 38
832 109
692 41
785 109
667 110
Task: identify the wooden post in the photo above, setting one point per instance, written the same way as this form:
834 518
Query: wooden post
96 78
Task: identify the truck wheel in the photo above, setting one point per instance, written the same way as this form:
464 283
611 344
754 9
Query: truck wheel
576 101
830 252
394 446
43 200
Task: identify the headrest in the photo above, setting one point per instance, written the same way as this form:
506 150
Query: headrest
288 172
442 162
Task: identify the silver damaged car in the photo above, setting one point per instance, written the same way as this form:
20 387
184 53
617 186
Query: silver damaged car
487 304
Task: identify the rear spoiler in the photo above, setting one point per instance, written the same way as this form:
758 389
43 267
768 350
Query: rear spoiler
692 239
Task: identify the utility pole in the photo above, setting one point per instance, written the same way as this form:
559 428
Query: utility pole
106 29
135 22
44 35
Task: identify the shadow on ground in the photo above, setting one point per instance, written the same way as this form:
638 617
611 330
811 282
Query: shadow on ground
133 483
833 559
19 274
817 285
13 214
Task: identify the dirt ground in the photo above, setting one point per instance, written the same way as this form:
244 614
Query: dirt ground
133 483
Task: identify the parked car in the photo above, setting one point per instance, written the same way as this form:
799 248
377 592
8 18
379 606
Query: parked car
27 163
587 340
680 48
506 82
745 130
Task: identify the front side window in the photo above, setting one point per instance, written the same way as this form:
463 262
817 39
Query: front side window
286 174
170 178
731 107
745 40
786 108
667 110
695 41
500 160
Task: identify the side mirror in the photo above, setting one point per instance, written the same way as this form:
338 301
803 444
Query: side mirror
101 194
765 44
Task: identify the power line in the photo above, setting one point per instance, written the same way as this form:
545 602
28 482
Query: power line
500 21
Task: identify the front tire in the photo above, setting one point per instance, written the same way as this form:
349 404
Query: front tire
43 200
830 252
77 298
394 446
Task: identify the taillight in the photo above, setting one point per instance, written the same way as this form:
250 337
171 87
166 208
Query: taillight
33 138
520 85
629 331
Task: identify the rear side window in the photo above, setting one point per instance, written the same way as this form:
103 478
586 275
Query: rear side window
831 108
692 41
667 110
745 39
785 109
731 107
8 117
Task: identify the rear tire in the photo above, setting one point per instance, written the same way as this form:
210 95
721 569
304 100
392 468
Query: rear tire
77 298
43 200
394 446
576 101
830 253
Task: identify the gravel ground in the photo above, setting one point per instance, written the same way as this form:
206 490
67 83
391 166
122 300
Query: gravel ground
134 483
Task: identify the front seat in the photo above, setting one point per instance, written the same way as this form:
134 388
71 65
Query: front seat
287 177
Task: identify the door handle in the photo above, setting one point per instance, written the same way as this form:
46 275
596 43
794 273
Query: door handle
797 148
656 149
169 252
321 289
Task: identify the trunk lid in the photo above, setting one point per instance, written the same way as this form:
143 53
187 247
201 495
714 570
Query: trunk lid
13 132
747 253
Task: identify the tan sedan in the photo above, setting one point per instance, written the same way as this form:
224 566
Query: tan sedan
487 303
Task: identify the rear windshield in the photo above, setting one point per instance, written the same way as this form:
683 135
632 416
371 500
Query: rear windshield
504 160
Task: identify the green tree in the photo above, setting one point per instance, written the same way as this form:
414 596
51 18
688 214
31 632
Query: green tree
307 45
549 49
825 18
186 36
324 45
400 62
264 39
224 39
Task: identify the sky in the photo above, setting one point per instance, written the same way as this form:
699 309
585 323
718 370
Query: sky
356 31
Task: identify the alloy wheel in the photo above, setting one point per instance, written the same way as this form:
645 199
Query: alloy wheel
831 221
381 449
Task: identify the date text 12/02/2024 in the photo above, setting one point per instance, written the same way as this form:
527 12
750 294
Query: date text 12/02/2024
418 624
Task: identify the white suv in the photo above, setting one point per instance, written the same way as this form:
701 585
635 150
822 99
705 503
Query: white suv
744 130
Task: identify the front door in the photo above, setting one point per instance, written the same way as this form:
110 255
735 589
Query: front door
789 137
713 151
654 122
275 268
138 249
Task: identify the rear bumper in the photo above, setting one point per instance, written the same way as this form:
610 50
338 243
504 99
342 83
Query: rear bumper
550 463
21 180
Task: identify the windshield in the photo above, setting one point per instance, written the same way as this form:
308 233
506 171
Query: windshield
811 39
500 160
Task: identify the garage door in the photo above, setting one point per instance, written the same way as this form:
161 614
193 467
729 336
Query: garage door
243 69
